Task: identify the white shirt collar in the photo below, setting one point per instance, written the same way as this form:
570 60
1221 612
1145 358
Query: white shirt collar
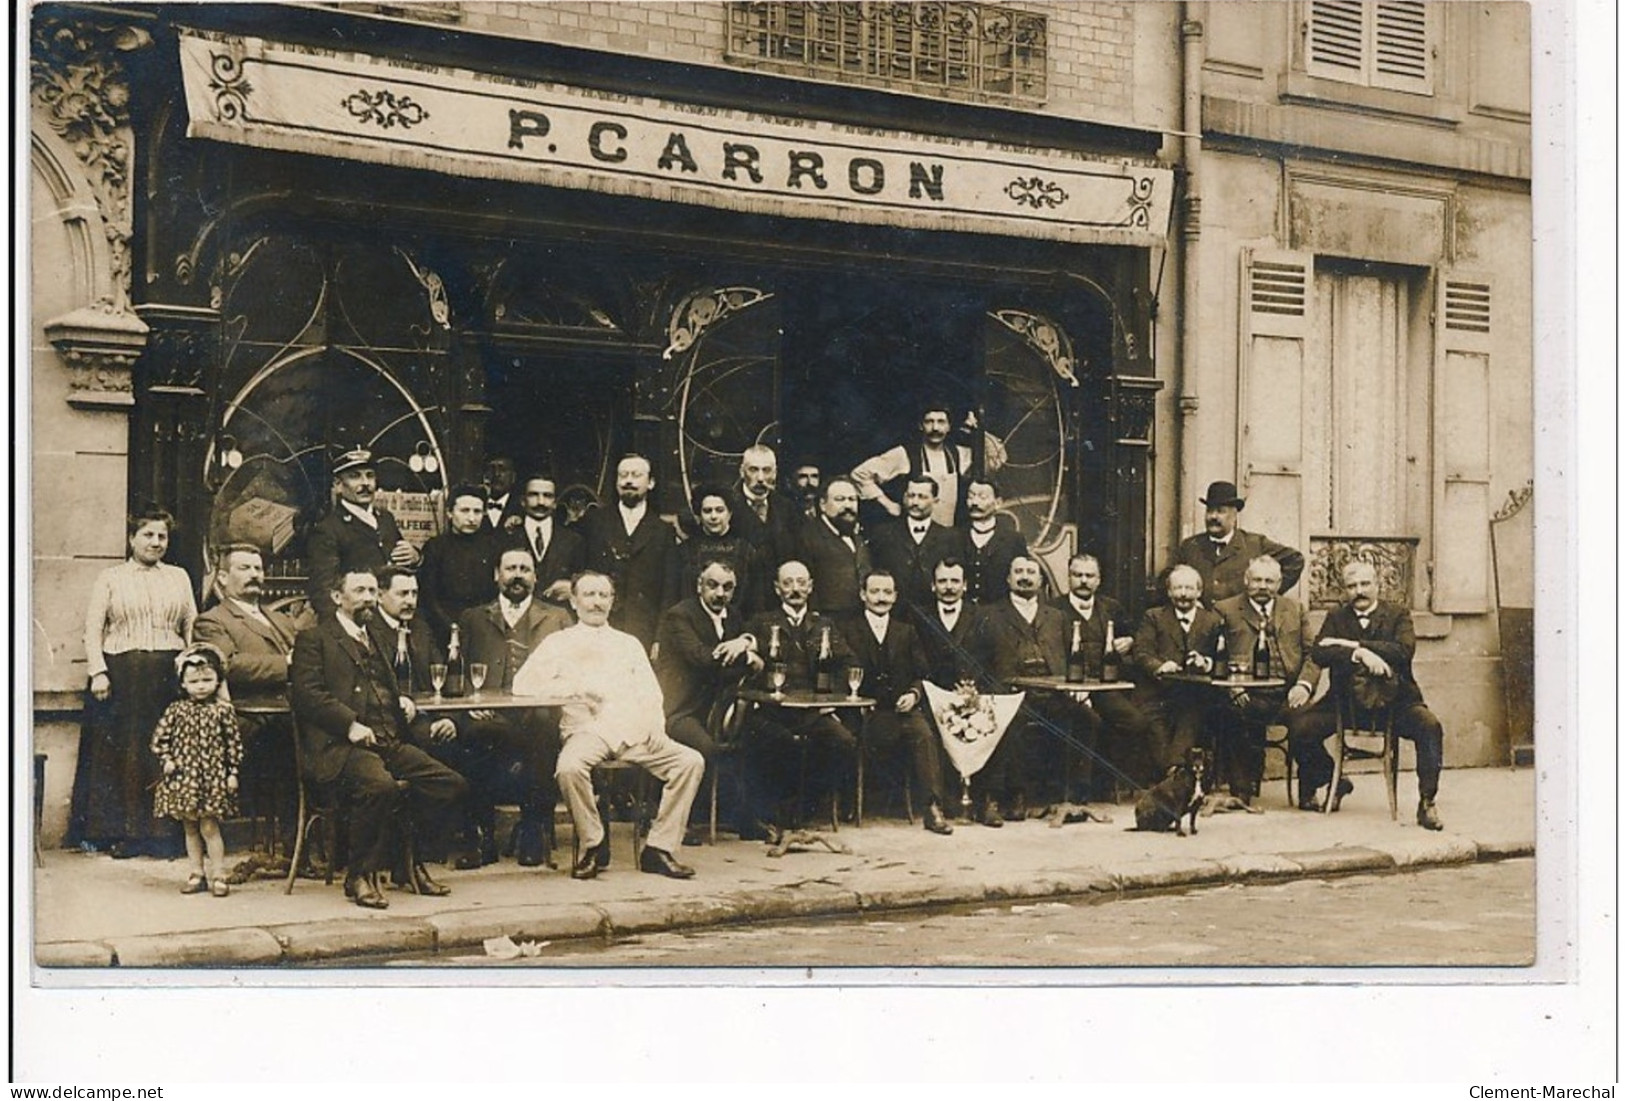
632 517
351 627
365 515
1086 608
512 613
1225 542
945 611
1263 610
794 617
252 609
877 623
389 621
534 525
718 619
1026 606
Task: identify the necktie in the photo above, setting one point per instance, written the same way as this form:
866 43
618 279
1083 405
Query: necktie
1365 623
1185 624
539 544
919 532
759 506
721 624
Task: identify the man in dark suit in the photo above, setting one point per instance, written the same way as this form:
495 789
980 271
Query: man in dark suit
519 749
946 627
991 544
500 505
1282 623
910 548
834 551
636 549
1220 555
703 653
1368 638
762 514
893 661
791 637
353 535
559 553
455 574
353 724
1021 636
1178 638
1096 621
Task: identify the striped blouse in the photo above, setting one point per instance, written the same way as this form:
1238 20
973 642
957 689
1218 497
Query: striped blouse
136 607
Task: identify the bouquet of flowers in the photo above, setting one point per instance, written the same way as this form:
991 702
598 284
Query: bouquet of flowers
971 725
968 716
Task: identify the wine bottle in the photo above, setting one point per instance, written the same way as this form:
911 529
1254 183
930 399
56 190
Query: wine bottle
824 675
1109 668
456 666
1261 654
775 647
1074 655
1221 657
403 661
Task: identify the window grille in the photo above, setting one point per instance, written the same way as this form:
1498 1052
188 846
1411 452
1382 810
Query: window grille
975 50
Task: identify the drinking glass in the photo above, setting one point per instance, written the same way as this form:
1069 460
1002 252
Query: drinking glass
476 676
776 676
854 677
437 677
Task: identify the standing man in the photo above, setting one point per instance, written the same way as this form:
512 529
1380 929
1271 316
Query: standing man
631 545
1284 626
353 535
991 544
947 463
1176 638
1126 736
1221 554
761 514
457 563
621 717
558 552
910 548
894 665
353 719
834 551
806 482
1373 640
499 503
502 635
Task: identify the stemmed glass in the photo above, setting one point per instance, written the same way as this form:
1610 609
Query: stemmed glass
476 677
776 677
437 677
854 677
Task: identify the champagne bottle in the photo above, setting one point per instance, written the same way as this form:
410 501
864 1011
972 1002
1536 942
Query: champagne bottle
1109 667
1074 655
824 675
456 667
775 645
1261 654
1221 657
403 661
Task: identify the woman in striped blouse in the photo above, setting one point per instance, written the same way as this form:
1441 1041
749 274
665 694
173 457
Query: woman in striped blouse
140 618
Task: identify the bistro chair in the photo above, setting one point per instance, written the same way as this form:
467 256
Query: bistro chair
726 722
1275 737
1365 734
625 784
318 806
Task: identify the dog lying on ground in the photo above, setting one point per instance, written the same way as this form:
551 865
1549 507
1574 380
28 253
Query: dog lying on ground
1175 797
1218 802
1064 814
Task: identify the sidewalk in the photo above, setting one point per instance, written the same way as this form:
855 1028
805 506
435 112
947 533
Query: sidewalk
92 911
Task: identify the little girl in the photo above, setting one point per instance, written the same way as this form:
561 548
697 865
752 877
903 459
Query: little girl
198 745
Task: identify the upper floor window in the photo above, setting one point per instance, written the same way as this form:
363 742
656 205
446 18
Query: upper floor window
1377 43
976 49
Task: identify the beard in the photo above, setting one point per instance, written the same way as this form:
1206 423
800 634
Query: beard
517 591
845 522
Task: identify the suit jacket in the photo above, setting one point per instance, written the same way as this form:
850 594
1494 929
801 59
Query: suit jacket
691 680
421 648
1223 568
1390 636
892 668
643 565
799 645
775 537
330 685
256 653
458 573
1093 629
564 557
893 548
1159 638
339 542
987 569
1007 646
948 656
1286 635
836 569
488 639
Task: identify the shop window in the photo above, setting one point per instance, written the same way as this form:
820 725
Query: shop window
1375 43
974 49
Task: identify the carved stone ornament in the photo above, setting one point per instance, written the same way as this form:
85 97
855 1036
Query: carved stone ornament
80 88
100 347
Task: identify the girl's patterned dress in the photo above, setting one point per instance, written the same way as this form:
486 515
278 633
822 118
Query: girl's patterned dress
203 741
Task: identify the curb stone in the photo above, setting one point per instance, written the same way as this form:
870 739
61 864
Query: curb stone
73 953
211 947
646 915
1243 867
1429 850
308 941
1352 858
462 928
1166 872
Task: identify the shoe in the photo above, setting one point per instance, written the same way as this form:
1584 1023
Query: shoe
693 837
759 830
124 850
418 881
1309 804
363 891
531 847
935 821
195 885
1018 809
1427 817
1345 786
219 888
586 866
467 860
603 853
989 815
661 862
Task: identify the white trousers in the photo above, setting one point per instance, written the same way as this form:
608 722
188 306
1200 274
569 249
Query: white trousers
679 768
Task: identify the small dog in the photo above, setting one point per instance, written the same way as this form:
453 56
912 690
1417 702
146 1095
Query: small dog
1218 802
1065 814
1176 797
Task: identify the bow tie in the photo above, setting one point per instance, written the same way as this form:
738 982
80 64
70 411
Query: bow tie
919 531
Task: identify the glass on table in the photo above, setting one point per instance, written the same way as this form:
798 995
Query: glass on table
476 677
854 678
437 677
776 677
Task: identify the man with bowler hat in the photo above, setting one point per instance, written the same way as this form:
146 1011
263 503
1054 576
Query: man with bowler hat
1221 553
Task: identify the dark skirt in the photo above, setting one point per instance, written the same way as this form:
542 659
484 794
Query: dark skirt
117 770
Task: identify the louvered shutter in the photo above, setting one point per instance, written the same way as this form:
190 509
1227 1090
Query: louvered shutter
1402 50
1464 309
1337 39
1277 300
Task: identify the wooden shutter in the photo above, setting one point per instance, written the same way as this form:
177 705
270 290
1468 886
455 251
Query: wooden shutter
1277 301
1337 39
1402 46
1463 327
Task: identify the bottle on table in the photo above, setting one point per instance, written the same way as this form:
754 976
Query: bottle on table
1074 655
403 661
1221 657
1110 669
456 665
824 673
1261 655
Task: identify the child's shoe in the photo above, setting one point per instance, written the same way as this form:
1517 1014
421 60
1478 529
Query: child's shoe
195 885
219 888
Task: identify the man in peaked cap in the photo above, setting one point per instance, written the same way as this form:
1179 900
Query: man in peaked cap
354 535
1221 553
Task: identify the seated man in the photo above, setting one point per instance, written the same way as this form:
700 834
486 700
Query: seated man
894 663
703 654
620 717
1370 638
519 749
1283 625
790 638
1179 637
353 723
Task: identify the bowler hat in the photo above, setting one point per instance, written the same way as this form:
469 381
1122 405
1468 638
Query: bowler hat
1222 494
354 459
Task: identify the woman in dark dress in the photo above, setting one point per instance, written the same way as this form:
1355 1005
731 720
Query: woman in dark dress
139 619
716 541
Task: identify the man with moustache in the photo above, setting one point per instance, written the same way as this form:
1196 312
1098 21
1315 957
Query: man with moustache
636 549
761 514
620 718
947 464
499 503
353 535
910 548
1179 637
947 627
1220 555
558 552
991 544
834 550
1371 639
703 652
456 571
519 748
353 722
806 483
